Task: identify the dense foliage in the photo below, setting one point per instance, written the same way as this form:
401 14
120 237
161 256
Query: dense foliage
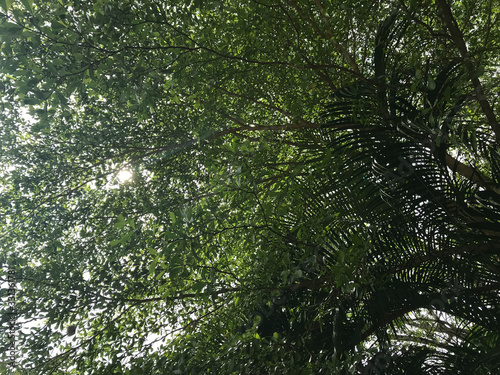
314 186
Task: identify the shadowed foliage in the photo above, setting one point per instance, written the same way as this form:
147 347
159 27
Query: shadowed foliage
314 187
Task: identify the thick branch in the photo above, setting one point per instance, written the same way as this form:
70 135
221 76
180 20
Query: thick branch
458 39
471 174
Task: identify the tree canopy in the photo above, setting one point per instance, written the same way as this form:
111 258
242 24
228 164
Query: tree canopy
250 187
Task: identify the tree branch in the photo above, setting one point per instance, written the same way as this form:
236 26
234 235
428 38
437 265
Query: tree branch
471 174
349 58
458 39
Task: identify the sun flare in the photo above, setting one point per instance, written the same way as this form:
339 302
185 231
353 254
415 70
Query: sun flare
124 175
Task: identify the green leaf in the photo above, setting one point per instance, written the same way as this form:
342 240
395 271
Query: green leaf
474 141
121 222
28 4
198 286
174 271
131 222
115 243
431 84
125 237
152 266
160 275
6 4
153 252
10 29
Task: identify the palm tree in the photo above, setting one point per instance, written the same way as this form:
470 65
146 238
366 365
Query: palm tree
398 240
416 226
